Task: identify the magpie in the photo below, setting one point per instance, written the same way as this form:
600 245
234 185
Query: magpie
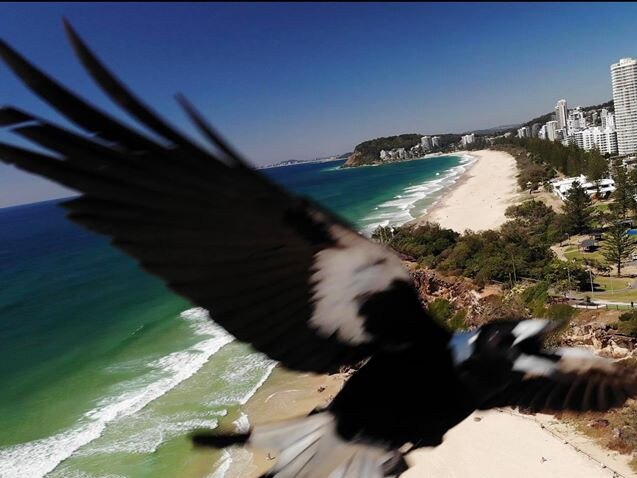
298 283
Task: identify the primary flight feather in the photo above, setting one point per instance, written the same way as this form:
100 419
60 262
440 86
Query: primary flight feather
294 281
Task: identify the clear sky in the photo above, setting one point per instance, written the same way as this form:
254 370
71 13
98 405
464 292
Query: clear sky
300 81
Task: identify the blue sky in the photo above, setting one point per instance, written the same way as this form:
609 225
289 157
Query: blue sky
300 81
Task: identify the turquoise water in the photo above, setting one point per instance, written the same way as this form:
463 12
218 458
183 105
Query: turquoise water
104 371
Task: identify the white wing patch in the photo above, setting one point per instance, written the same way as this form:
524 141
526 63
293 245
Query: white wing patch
528 328
580 360
344 277
572 361
310 447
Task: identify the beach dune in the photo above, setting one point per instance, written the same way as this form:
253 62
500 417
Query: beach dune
480 198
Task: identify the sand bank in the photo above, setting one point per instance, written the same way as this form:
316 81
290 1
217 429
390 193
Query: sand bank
480 198
504 445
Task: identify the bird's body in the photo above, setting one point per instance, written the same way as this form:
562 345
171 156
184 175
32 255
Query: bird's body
294 281
433 400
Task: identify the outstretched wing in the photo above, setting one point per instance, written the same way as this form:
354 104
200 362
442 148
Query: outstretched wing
506 364
275 270
566 379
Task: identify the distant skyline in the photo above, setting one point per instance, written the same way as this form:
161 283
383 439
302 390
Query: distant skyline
299 81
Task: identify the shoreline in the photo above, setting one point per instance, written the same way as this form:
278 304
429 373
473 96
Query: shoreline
417 198
479 198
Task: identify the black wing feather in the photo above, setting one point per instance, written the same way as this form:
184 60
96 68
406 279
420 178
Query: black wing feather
215 231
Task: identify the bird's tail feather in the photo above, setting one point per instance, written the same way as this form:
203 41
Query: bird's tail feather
310 447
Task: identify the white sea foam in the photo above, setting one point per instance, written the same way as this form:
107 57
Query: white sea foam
241 424
222 465
398 210
239 372
39 457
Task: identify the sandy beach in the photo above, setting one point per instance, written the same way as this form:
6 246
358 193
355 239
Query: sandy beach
494 444
503 444
480 198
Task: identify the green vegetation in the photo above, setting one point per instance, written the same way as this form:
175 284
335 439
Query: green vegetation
521 248
578 210
560 312
442 311
618 246
569 160
626 189
628 323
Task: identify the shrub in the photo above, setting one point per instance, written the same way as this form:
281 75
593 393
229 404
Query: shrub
628 327
560 312
440 310
538 292
628 316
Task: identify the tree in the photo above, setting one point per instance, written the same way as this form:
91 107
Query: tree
624 193
577 209
383 234
596 166
618 246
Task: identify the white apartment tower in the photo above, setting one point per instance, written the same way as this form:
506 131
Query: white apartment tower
561 114
608 119
551 130
624 77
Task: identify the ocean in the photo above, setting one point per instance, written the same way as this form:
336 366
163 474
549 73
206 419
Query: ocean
104 371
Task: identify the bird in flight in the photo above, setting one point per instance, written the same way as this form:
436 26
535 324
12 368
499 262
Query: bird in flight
296 282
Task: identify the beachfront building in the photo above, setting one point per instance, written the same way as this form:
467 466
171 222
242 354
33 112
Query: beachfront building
551 130
468 139
604 139
561 187
435 141
425 143
535 130
624 79
524 132
561 112
542 132
576 120
608 119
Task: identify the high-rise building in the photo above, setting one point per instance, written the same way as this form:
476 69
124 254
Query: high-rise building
551 130
524 132
576 120
468 139
624 78
608 119
561 114
542 133
425 143
535 130
435 142
605 140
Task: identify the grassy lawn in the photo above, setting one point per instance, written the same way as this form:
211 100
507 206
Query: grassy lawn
613 289
574 252
607 284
